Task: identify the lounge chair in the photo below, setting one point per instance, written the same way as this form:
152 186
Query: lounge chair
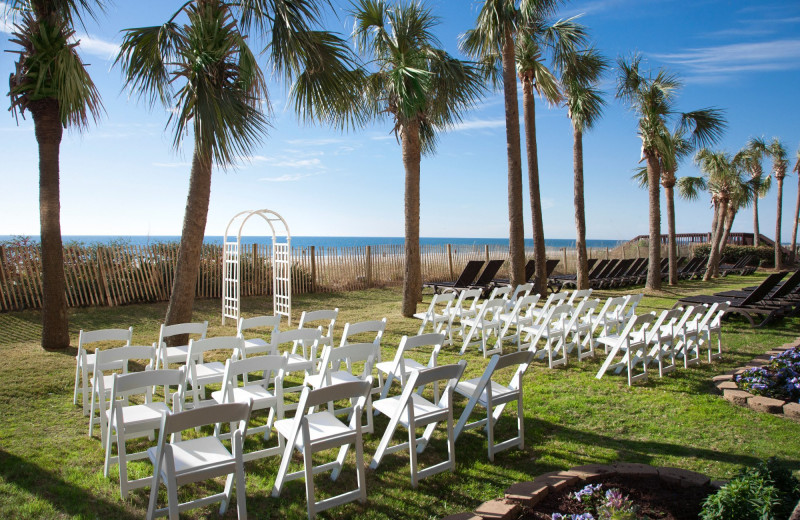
467 277
484 281
530 269
754 303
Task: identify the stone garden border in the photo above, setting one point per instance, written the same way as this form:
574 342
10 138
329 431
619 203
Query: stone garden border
731 392
531 493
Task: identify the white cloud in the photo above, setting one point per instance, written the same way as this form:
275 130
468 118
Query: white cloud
287 177
97 47
479 124
725 60
298 163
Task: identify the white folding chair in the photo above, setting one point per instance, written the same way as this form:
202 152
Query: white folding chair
632 344
520 316
179 462
107 361
688 346
520 291
128 421
607 319
578 296
310 432
324 319
363 331
265 394
411 410
579 329
661 338
466 306
200 373
177 354
339 366
84 362
553 329
257 346
300 347
401 367
486 323
629 309
712 324
438 315
502 292
488 392
552 300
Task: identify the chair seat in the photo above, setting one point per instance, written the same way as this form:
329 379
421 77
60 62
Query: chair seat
255 342
141 416
177 354
424 410
296 362
467 389
212 372
195 454
262 398
321 425
411 365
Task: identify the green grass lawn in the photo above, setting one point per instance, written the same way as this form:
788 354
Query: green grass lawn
50 468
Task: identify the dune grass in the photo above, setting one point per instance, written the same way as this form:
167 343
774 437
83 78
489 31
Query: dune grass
50 468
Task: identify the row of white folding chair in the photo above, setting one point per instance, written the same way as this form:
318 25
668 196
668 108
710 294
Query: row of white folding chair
674 334
563 328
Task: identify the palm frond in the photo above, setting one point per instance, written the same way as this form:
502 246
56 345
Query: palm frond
689 188
705 127
144 57
640 176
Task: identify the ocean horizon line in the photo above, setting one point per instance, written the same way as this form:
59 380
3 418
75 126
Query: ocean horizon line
317 240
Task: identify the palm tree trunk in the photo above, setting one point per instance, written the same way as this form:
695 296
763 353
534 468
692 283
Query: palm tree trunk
516 231
412 281
672 248
654 250
181 300
726 232
712 269
756 232
539 252
582 269
48 129
796 219
778 260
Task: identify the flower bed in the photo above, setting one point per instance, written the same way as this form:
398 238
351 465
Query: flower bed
770 383
779 378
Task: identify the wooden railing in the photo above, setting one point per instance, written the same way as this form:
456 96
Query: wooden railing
119 275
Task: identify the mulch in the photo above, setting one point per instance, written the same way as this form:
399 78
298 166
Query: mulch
655 499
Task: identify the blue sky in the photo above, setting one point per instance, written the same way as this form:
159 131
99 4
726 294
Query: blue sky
123 177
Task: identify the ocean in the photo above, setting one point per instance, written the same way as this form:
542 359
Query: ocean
305 241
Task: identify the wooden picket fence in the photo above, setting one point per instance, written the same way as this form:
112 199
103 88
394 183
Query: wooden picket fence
124 274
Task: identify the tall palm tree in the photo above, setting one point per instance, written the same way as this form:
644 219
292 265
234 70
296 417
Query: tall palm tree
580 74
723 179
422 88
51 82
536 41
796 208
742 194
492 41
676 148
221 91
750 158
652 98
780 161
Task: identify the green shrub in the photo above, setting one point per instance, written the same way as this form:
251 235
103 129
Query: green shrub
767 492
765 254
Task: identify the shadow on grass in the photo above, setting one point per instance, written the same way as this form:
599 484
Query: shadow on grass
63 496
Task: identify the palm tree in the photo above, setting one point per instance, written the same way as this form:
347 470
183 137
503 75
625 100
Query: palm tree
652 99
723 179
780 160
423 89
220 90
796 208
537 39
742 194
677 147
579 76
750 158
492 41
51 82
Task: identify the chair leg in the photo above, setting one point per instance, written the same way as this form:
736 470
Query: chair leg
309 470
489 431
241 488
412 450
151 506
77 380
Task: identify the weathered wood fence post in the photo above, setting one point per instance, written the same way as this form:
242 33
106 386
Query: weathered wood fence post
369 266
313 270
450 260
